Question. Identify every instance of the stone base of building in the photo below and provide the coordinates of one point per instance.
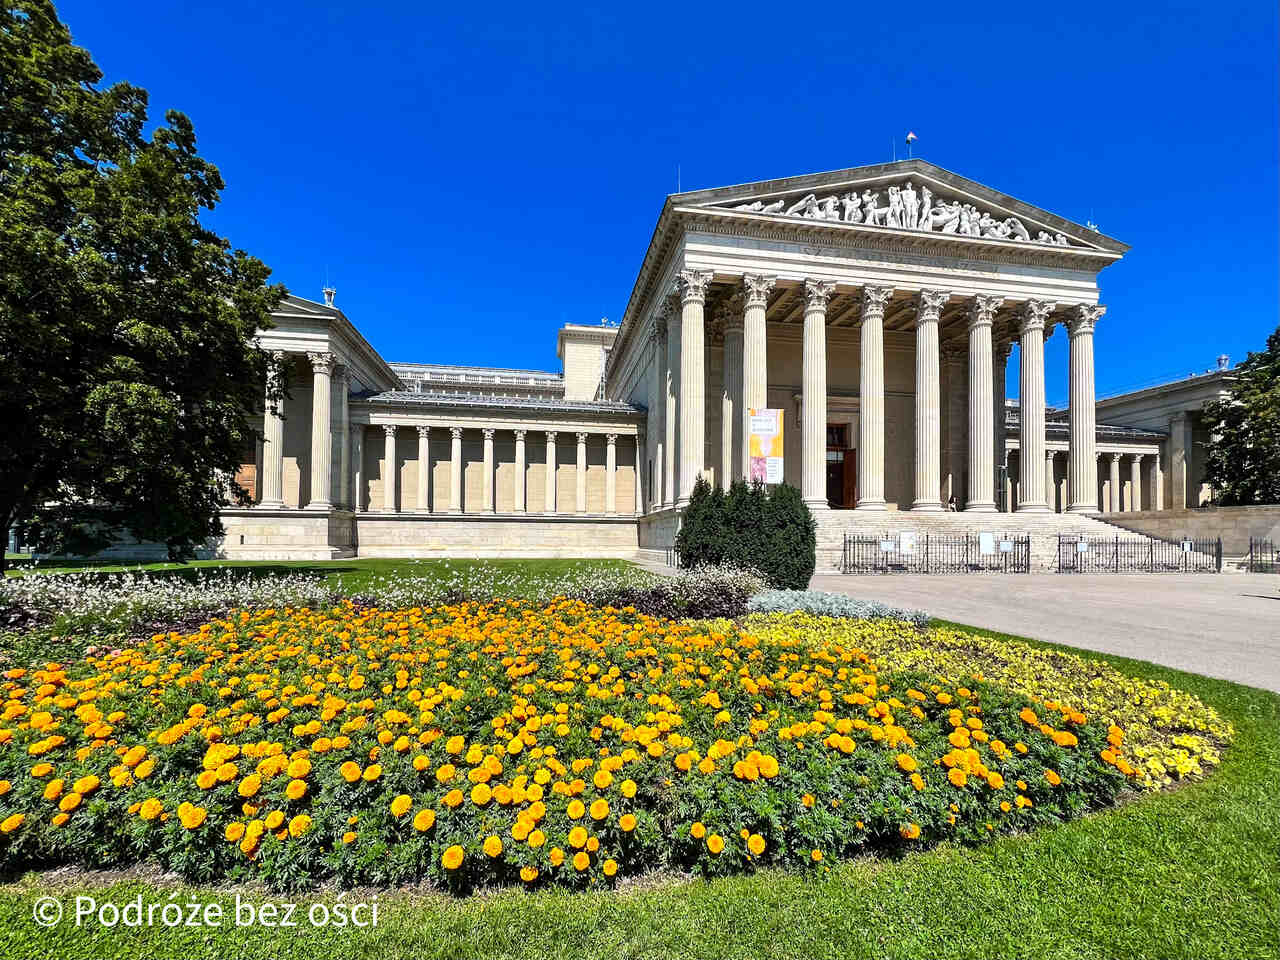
(658, 529)
(499, 535)
(259, 533)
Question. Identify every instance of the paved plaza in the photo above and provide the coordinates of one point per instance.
(1222, 625)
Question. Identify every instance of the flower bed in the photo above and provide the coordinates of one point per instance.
(1170, 734)
(518, 743)
(822, 604)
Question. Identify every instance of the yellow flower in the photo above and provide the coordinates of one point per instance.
(556, 856)
(577, 837)
(581, 860)
(715, 843)
(296, 790)
(698, 830)
(493, 846)
(481, 794)
(350, 771)
(234, 831)
(602, 779)
(906, 763)
(372, 772)
(299, 768)
(599, 809)
(609, 867)
(274, 819)
(910, 831)
(424, 820)
(150, 809)
(452, 858)
(299, 825)
(349, 837)
(628, 788)
(1052, 777)
(815, 855)
(250, 785)
(12, 822)
(401, 804)
(627, 822)
(537, 838)
(445, 772)
(528, 874)
(957, 776)
(755, 843)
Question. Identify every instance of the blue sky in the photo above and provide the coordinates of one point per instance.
(470, 178)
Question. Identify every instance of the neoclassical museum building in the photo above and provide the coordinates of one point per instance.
(877, 307)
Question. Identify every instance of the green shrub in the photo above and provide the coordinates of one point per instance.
(772, 531)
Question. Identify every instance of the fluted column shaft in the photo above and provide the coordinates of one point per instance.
(1116, 499)
(1050, 493)
(980, 497)
(755, 364)
(954, 441)
(611, 474)
(1135, 483)
(486, 488)
(732, 420)
(273, 437)
(344, 433)
(693, 379)
(357, 469)
(640, 473)
(671, 456)
(658, 420)
(424, 469)
(871, 399)
(813, 480)
(580, 475)
(1083, 459)
(1157, 484)
(550, 493)
(928, 401)
(999, 375)
(518, 480)
(1031, 497)
(322, 365)
(455, 469)
(389, 471)
(1179, 457)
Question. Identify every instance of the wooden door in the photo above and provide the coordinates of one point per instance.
(851, 478)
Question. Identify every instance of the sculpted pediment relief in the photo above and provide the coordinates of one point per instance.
(906, 204)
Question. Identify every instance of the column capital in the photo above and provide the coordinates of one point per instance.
(729, 314)
(1032, 315)
(874, 299)
(488, 433)
(519, 434)
(390, 430)
(756, 288)
(692, 285)
(551, 435)
(929, 304)
(669, 308)
(1050, 454)
(424, 431)
(1115, 457)
(611, 438)
(817, 293)
(982, 310)
(1083, 317)
(1137, 457)
(455, 433)
(582, 437)
(322, 362)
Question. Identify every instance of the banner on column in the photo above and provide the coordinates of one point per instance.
(764, 446)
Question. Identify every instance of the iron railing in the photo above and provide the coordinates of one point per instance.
(1264, 555)
(1130, 555)
(932, 553)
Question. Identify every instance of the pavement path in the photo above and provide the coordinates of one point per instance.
(1223, 625)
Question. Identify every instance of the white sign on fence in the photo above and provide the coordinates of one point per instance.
(987, 544)
(1082, 546)
(908, 543)
(887, 546)
(1186, 546)
(1006, 546)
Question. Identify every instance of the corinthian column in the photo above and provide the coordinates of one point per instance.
(486, 487)
(344, 428)
(1116, 498)
(1031, 497)
(658, 409)
(580, 475)
(550, 497)
(357, 469)
(693, 379)
(671, 420)
(813, 483)
(982, 408)
(1050, 484)
(518, 494)
(871, 399)
(611, 474)
(1084, 434)
(273, 436)
(389, 470)
(732, 419)
(1135, 483)
(322, 365)
(455, 469)
(928, 402)
(424, 469)
(755, 368)
(1000, 366)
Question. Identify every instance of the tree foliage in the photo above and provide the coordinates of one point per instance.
(126, 326)
(1243, 462)
(769, 529)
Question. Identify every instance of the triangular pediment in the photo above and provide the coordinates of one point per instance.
(907, 196)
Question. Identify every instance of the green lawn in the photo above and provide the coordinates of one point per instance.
(345, 575)
(1191, 873)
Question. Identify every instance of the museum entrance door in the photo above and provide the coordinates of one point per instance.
(842, 468)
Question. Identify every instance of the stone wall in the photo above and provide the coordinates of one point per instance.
(658, 530)
(258, 534)
(409, 535)
(1235, 525)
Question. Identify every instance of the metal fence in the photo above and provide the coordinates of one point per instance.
(967, 553)
(1126, 555)
(1264, 556)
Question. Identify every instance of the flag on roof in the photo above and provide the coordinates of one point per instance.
(911, 137)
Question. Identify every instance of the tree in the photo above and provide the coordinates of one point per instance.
(1243, 462)
(126, 327)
